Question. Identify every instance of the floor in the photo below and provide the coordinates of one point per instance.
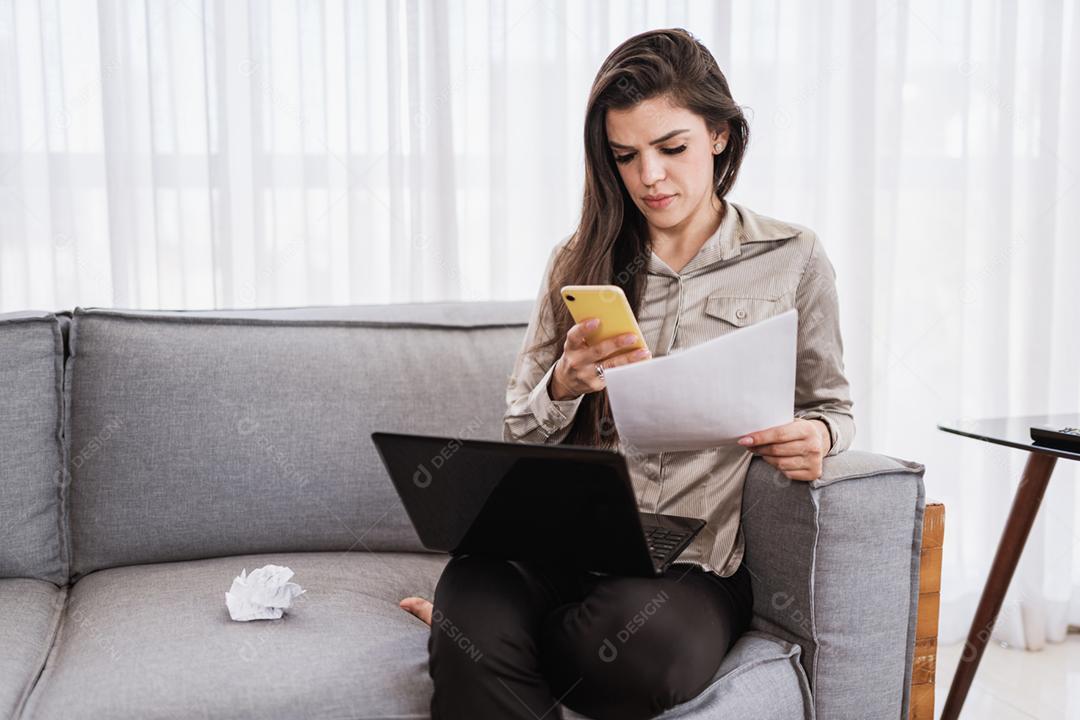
(1017, 685)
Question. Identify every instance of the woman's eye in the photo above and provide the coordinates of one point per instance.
(673, 151)
(623, 159)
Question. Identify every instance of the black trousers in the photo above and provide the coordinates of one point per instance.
(514, 639)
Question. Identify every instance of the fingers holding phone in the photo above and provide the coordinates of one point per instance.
(606, 335)
(576, 371)
(619, 350)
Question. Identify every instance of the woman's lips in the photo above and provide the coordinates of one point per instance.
(660, 203)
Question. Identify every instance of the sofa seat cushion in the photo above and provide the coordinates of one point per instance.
(760, 678)
(29, 615)
(156, 641)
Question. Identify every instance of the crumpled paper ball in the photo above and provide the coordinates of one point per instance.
(265, 594)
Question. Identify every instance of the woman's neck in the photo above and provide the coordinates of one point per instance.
(687, 237)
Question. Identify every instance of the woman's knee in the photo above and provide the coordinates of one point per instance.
(634, 648)
(479, 600)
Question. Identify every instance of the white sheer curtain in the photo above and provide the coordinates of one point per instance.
(193, 154)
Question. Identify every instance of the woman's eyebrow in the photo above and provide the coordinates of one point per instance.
(661, 139)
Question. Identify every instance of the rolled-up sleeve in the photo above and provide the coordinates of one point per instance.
(531, 415)
(822, 391)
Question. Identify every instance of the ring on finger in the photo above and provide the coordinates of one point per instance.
(600, 370)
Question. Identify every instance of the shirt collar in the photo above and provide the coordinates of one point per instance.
(738, 227)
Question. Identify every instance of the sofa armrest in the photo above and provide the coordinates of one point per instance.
(835, 568)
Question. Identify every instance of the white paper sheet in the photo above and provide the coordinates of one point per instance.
(710, 394)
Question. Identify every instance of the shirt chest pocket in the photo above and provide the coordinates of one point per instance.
(738, 312)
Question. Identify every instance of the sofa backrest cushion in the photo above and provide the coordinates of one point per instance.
(31, 447)
(202, 434)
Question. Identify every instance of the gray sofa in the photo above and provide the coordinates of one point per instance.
(147, 458)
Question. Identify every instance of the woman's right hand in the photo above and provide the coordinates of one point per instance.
(575, 370)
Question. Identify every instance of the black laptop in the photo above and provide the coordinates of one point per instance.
(562, 504)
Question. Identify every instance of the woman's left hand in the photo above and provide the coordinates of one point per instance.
(796, 449)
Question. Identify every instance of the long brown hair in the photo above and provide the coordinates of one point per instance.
(611, 243)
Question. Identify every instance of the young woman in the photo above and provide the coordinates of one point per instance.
(663, 143)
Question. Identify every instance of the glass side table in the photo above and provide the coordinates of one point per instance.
(1014, 432)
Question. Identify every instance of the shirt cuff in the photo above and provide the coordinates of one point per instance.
(834, 431)
(551, 415)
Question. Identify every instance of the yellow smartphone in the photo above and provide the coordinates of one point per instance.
(609, 304)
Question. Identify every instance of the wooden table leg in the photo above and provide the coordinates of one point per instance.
(1021, 517)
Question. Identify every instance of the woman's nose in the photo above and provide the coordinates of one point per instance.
(652, 171)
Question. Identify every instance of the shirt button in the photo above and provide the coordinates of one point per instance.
(741, 314)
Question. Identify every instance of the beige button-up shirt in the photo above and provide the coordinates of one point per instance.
(752, 268)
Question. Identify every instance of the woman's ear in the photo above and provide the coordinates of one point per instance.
(720, 139)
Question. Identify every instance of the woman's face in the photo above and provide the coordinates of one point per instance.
(665, 158)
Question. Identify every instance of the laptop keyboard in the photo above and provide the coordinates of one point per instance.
(662, 541)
